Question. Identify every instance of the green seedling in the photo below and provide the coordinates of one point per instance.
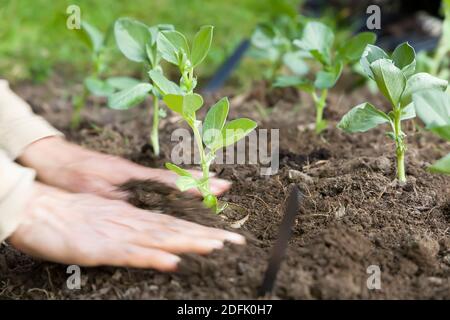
(272, 43)
(138, 43)
(211, 134)
(94, 83)
(397, 80)
(438, 63)
(318, 42)
(96, 41)
(433, 107)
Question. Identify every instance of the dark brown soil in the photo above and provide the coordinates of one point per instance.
(353, 215)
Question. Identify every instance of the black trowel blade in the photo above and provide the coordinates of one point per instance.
(281, 244)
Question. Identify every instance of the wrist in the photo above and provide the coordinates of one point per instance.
(44, 152)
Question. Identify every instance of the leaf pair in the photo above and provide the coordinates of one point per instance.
(137, 41)
(273, 43)
(175, 48)
(318, 41)
(394, 76)
(217, 133)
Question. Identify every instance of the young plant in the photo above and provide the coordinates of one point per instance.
(396, 79)
(138, 43)
(272, 42)
(433, 107)
(211, 134)
(96, 41)
(94, 83)
(318, 41)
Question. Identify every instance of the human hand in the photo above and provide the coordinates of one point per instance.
(73, 168)
(89, 230)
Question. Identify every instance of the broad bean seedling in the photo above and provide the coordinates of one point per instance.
(397, 80)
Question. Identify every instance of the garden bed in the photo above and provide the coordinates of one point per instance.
(353, 214)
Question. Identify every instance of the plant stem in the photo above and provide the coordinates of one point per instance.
(400, 146)
(320, 103)
(154, 136)
(203, 161)
(78, 105)
(274, 70)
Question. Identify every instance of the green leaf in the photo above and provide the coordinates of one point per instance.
(154, 30)
(442, 165)
(442, 131)
(152, 55)
(294, 61)
(390, 79)
(191, 103)
(122, 83)
(421, 81)
(404, 58)
(353, 49)
(201, 45)
(293, 81)
(185, 183)
(362, 118)
(370, 55)
(164, 85)
(130, 97)
(327, 79)
(263, 35)
(186, 105)
(424, 63)
(98, 87)
(131, 38)
(172, 44)
(408, 112)
(318, 40)
(234, 131)
(433, 107)
(174, 102)
(95, 36)
(179, 171)
(214, 122)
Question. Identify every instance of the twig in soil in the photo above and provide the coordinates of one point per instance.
(258, 198)
(279, 249)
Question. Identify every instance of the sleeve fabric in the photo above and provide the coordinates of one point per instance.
(19, 127)
(16, 185)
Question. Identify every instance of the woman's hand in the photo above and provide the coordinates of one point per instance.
(89, 230)
(73, 168)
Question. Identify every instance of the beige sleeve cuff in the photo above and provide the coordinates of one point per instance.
(16, 185)
(19, 127)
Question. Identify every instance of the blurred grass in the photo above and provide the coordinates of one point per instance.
(34, 39)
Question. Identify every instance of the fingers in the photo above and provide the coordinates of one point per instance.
(219, 186)
(151, 222)
(177, 243)
(193, 229)
(134, 256)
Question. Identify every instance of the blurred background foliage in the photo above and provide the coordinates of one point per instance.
(35, 42)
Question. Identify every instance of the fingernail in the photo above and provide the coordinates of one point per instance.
(173, 260)
(215, 244)
(235, 238)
